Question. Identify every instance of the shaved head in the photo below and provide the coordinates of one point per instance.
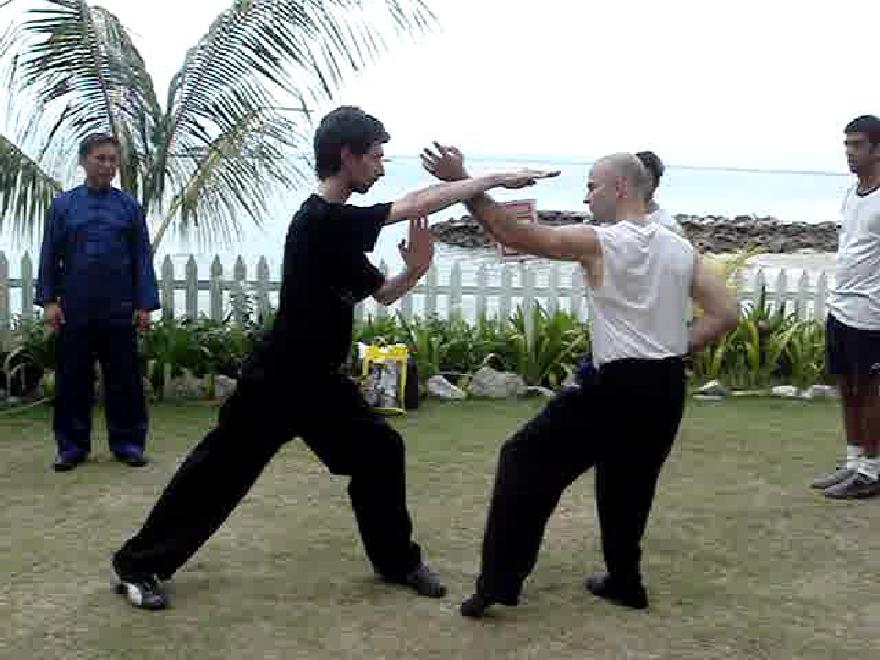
(631, 169)
(618, 186)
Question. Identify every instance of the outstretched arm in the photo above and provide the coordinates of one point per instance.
(574, 243)
(422, 203)
(720, 311)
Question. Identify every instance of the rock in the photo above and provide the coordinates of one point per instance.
(713, 388)
(441, 388)
(187, 387)
(711, 233)
(490, 384)
(14, 401)
(537, 390)
(784, 391)
(820, 392)
(748, 393)
(224, 386)
(708, 397)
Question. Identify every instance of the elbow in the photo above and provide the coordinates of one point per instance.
(512, 239)
(384, 297)
(732, 316)
(729, 318)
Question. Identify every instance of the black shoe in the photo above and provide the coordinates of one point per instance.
(475, 606)
(133, 460)
(857, 486)
(629, 595)
(142, 592)
(425, 581)
(841, 474)
(62, 464)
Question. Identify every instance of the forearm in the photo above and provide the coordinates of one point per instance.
(46, 289)
(47, 270)
(435, 198)
(706, 330)
(498, 222)
(146, 287)
(397, 286)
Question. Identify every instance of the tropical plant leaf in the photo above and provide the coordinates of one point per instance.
(256, 52)
(26, 190)
(73, 70)
(238, 174)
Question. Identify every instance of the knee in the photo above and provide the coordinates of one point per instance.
(390, 447)
(508, 451)
(380, 453)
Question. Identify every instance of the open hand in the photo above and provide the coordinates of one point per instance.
(418, 252)
(142, 319)
(53, 315)
(444, 162)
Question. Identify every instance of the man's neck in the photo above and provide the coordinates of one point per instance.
(633, 211)
(334, 190)
(869, 180)
(96, 187)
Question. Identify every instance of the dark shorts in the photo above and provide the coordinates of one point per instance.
(851, 351)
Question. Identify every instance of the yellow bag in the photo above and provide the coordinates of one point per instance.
(383, 379)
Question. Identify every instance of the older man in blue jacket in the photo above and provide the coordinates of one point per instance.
(96, 281)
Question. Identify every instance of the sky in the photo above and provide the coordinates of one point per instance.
(763, 84)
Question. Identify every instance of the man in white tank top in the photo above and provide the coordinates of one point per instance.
(623, 420)
(853, 324)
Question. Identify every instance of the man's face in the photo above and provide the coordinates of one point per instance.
(859, 155)
(602, 193)
(364, 170)
(101, 164)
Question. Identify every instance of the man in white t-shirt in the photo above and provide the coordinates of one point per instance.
(853, 325)
(641, 278)
(655, 168)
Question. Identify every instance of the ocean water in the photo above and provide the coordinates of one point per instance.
(787, 195)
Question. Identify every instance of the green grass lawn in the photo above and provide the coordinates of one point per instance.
(742, 560)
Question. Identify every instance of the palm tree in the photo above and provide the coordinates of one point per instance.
(227, 133)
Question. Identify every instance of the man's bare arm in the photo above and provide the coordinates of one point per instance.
(720, 309)
(397, 286)
(422, 203)
(572, 243)
(417, 253)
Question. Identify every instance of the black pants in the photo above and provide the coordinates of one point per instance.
(623, 421)
(259, 417)
(114, 346)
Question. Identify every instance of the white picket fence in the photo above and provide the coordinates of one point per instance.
(527, 284)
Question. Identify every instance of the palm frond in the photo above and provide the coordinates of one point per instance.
(258, 50)
(76, 70)
(26, 190)
(299, 46)
(236, 175)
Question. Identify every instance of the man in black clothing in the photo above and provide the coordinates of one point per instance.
(325, 273)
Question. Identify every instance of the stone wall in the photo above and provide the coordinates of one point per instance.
(715, 234)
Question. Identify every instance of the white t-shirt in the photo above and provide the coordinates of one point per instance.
(855, 298)
(640, 309)
(662, 218)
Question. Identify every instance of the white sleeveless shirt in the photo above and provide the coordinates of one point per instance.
(640, 309)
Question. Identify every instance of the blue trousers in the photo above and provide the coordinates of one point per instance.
(114, 347)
